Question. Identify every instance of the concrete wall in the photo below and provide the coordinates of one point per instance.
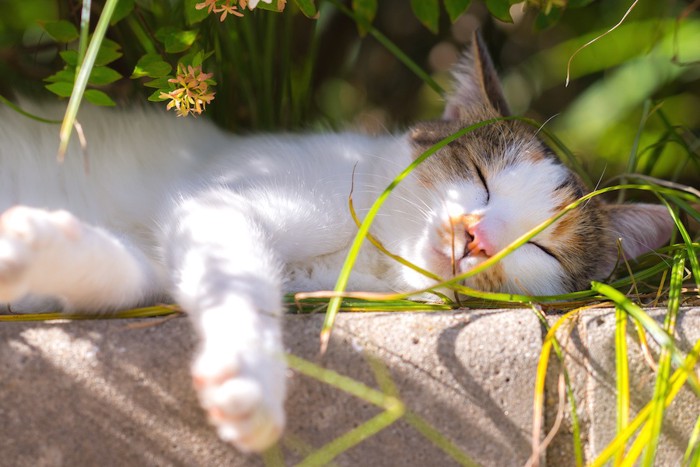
(117, 392)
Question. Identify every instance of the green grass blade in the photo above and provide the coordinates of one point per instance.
(300, 447)
(141, 35)
(328, 452)
(378, 245)
(84, 31)
(632, 159)
(664, 370)
(676, 382)
(540, 378)
(692, 257)
(575, 423)
(341, 382)
(622, 373)
(21, 111)
(393, 410)
(273, 457)
(692, 212)
(390, 46)
(690, 151)
(386, 384)
(692, 452)
(659, 334)
(146, 312)
(438, 439)
(83, 75)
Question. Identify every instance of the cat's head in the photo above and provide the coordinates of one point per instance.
(494, 184)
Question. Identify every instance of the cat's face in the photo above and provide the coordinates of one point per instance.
(490, 187)
(496, 183)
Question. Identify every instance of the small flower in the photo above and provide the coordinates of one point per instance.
(227, 8)
(235, 7)
(191, 93)
(210, 4)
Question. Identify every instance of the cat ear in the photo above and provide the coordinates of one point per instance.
(642, 227)
(476, 83)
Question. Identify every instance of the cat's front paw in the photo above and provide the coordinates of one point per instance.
(15, 255)
(243, 397)
(24, 232)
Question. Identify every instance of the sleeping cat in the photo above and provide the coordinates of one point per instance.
(224, 225)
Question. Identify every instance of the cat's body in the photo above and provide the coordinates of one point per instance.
(224, 224)
(299, 184)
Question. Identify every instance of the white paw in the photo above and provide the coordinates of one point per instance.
(243, 396)
(23, 233)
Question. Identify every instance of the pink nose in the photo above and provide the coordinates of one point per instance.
(480, 240)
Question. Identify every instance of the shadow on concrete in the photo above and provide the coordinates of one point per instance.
(118, 392)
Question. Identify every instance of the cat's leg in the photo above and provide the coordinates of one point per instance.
(53, 254)
(227, 277)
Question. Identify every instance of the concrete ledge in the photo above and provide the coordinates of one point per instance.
(117, 392)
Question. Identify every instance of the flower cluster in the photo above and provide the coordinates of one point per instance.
(230, 7)
(191, 93)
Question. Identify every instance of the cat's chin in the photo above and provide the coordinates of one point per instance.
(470, 262)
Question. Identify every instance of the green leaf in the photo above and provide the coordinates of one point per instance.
(109, 44)
(61, 30)
(163, 33)
(500, 9)
(455, 8)
(275, 5)
(195, 57)
(61, 88)
(102, 75)
(109, 52)
(70, 57)
(176, 40)
(193, 15)
(427, 12)
(121, 11)
(97, 97)
(151, 65)
(161, 83)
(66, 75)
(366, 9)
(307, 7)
(155, 97)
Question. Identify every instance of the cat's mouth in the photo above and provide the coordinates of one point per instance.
(460, 261)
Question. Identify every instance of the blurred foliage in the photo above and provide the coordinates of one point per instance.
(631, 104)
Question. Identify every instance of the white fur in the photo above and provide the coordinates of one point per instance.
(222, 224)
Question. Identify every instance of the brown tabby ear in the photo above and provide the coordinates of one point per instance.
(476, 83)
(642, 227)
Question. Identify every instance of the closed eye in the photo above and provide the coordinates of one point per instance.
(483, 182)
(544, 250)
